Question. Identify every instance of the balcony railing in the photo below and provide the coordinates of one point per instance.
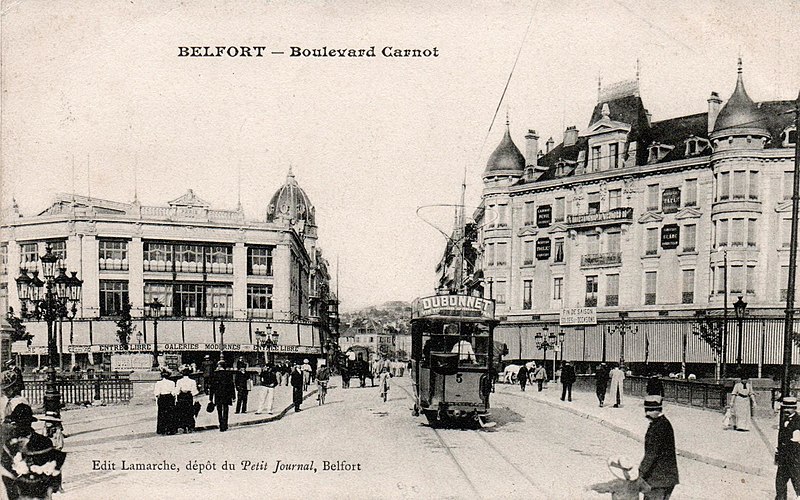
(601, 259)
(613, 216)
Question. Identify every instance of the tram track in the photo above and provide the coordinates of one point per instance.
(485, 468)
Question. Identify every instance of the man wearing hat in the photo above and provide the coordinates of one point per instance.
(222, 393)
(659, 467)
(297, 386)
(208, 370)
(787, 457)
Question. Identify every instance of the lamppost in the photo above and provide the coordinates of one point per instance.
(268, 341)
(59, 290)
(221, 339)
(622, 329)
(545, 343)
(739, 308)
(155, 310)
(490, 280)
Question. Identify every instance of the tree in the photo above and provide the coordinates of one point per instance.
(19, 331)
(125, 326)
(711, 331)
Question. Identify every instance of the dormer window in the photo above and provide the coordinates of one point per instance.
(789, 137)
(529, 173)
(658, 151)
(695, 145)
(561, 168)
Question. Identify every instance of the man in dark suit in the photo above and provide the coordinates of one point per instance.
(601, 382)
(659, 467)
(296, 379)
(567, 379)
(222, 393)
(787, 457)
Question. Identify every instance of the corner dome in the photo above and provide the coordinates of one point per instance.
(740, 115)
(506, 158)
(290, 203)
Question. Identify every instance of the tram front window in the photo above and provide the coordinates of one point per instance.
(468, 340)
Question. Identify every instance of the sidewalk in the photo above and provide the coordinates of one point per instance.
(699, 434)
(137, 419)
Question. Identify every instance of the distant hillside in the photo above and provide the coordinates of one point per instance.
(391, 317)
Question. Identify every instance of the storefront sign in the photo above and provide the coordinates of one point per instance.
(165, 348)
(543, 249)
(544, 215)
(76, 349)
(671, 200)
(452, 305)
(131, 361)
(578, 316)
(670, 236)
(21, 347)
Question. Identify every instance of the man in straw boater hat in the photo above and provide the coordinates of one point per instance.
(787, 456)
(659, 467)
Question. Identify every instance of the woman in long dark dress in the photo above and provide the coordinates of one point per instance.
(185, 390)
(164, 393)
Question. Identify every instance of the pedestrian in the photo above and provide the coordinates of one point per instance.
(53, 428)
(297, 386)
(208, 370)
(222, 393)
(269, 381)
(11, 364)
(654, 385)
(164, 394)
(742, 404)
(31, 464)
(787, 455)
(522, 377)
(383, 383)
(12, 393)
(345, 374)
(617, 379)
(540, 375)
(567, 379)
(306, 368)
(243, 385)
(240, 363)
(322, 376)
(659, 467)
(601, 382)
(185, 391)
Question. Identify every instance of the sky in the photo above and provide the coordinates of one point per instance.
(96, 100)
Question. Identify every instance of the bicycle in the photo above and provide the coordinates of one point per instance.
(323, 390)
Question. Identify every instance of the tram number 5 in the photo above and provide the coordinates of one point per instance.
(459, 378)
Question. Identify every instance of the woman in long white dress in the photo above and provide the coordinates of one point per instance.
(743, 399)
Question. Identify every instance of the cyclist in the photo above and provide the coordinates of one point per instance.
(323, 375)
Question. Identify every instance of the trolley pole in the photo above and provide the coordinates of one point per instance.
(788, 327)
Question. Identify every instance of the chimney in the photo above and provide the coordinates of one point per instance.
(714, 103)
(531, 148)
(649, 116)
(548, 145)
(570, 136)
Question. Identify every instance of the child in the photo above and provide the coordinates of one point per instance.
(383, 383)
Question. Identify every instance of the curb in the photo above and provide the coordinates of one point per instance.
(723, 464)
(263, 420)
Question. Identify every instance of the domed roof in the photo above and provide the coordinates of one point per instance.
(740, 113)
(506, 158)
(290, 203)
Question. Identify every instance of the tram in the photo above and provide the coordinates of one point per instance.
(452, 358)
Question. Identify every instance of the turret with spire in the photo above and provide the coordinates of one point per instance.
(740, 120)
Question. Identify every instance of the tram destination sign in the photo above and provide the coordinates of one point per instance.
(452, 305)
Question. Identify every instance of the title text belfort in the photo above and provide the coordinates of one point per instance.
(261, 51)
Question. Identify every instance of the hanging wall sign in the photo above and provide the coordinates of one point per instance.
(670, 236)
(671, 200)
(543, 249)
(544, 215)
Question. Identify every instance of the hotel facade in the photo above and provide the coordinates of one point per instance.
(628, 236)
(225, 282)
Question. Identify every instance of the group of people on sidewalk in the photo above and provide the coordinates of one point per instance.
(30, 462)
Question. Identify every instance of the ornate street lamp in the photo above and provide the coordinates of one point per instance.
(155, 310)
(268, 341)
(544, 344)
(59, 291)
(622, 328)
(739, 308)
